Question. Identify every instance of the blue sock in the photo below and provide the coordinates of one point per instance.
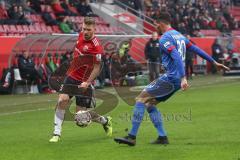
(137, 118)
(156, 119)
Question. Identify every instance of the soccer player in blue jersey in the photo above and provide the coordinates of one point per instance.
(173, 46)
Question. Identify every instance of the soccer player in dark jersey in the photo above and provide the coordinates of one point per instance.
(173, 46)
(83, 70)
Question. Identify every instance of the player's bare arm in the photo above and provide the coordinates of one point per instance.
(205, 56)
(92, 77)
(221, 66)
(184, 83)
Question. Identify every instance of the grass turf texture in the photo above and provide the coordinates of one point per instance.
(210, 131)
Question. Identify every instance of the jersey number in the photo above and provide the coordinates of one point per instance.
(182, 48)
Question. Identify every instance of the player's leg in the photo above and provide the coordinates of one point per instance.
(84, 103)
(62, 104)
(138, 114)
(157, 120)
(162, 90)
(155, 92)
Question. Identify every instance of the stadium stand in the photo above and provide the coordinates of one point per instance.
(46, 17)
(210, 17)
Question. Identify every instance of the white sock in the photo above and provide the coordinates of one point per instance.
(58, 120)
(101, 120)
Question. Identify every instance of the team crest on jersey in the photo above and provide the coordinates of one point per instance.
(85, 48)
(166, 44)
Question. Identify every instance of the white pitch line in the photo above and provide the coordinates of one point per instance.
(19, 112)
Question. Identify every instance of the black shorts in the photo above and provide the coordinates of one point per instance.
(81, 100)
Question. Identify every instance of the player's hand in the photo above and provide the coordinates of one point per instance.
(184, 84)
(84, 85)
(221, 66)
(6, 85)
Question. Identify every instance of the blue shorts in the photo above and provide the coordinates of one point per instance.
(163, 87)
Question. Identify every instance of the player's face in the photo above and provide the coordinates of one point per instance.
(160, 28)
(88, 31)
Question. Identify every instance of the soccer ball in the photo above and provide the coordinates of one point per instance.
(83, 118)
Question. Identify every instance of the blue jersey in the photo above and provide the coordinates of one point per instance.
(174, 62)
(173, 46)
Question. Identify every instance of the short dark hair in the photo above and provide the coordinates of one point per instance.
(164, 17)
(89, 21)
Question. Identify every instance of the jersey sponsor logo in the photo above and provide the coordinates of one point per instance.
(98, 57)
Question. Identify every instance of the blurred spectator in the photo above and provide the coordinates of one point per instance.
(148, 3)
(58, 9)
(3, 13)
(22, 18)
(65, 28)
(27, 9)
(116, 69)
(27, 70)
(66, 6)
(13, 13)
(153, 56)
(47, 17)
(36, 5)
(217, 53)
(84, 8)
(182, 28)
(219, 23)
(17, 15)
(73, 26)
(189, 16)
(189, 62)
(27, 67)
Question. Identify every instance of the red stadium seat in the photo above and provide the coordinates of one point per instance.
(34, 30)
(236, 32)
(44, 28)
(38, 29)
(210, 32)
(2, 29)
(25, 29)
(13, 29)
(49, 29)
(19, 28)
(56, 29)
(6, 28)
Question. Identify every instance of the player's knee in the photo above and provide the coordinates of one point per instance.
(141, 100)
(152, 102)
(63, 101)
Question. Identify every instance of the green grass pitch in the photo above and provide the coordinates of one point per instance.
(202, 124)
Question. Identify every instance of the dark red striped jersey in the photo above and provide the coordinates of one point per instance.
(86, 54)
